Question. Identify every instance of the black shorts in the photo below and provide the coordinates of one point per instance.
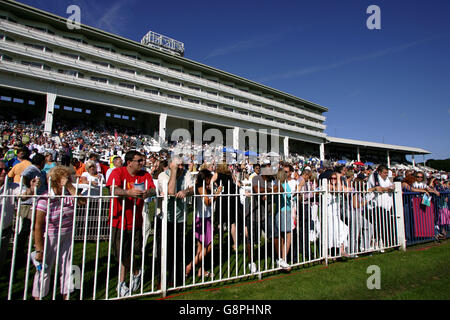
(126, 244)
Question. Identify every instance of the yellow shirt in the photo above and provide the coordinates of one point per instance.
(17, 170)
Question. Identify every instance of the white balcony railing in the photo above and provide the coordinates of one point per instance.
(24, 31)
(28, 71)
(118, 74)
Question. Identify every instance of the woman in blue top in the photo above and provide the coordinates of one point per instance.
(49, 163)
(283, 220)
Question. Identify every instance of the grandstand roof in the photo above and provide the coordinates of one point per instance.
(402, 149)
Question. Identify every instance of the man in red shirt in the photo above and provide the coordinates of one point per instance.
(132, 185)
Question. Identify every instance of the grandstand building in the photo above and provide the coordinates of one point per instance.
(50, 72)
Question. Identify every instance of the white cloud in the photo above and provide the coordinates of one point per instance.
(109, 20)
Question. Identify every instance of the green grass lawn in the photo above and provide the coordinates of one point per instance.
(422, 272)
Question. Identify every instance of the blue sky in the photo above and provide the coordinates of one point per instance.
(390, 85)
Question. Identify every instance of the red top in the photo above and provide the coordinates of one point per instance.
(122, 178)
(104, 168)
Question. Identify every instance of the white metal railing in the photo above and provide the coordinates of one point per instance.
(24, 31)
(180, 245)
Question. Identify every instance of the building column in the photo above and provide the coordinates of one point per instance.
(286, 146)
(358, 154)
(50, 108)
(198, 132)
(162, 127)
(388, 159)
(413, 161)
(236, 138)
(322, 151)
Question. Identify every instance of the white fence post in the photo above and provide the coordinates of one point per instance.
(164, 241)
(324, 219)
(399, 213)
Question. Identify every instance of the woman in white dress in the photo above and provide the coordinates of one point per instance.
(337, 230)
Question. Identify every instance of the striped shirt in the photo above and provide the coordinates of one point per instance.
(54, 213)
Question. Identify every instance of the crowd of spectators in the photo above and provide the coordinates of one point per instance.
(69, 145)
(98, 157)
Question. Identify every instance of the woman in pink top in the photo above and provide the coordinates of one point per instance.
(58, 227)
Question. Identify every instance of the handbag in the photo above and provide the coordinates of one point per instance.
(426, 200)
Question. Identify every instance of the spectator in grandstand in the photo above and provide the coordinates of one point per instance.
(382, 203)
(134, 184)
(435, 184)
(293, 184)
(7, 154)
(33, 153)
(49, 163)
(228, 208)
(283, 220)
(79, 167)
(95, 158)
(7, 211)
(203, 226)
(180, 185)
(341, 172)
(261, 184)
(305, 183)
(11, 156)
(327, 170)
(349, 176)
(17, 169)
(338, 231)
(117, 162)
(365, 173)
(430, 186)
(33, 171)
(409, 181)
(208, 166)
(59, 231)
(66, 154)
(421, 183)
(93, 178)
(152, 166)
(361, 230)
